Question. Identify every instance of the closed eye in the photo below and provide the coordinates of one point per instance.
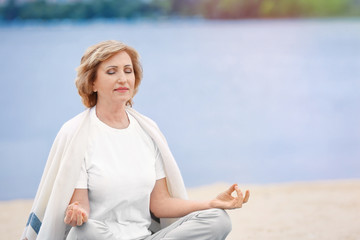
(111, 71)
(128, 70)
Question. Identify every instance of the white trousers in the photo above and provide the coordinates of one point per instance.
(211, 224)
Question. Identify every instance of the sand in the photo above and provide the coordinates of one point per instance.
(328, 210)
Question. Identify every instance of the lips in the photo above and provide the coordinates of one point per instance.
(122, 89)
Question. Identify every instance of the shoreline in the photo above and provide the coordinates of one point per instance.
(299, 210)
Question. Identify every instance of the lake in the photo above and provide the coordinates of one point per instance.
(251, 101)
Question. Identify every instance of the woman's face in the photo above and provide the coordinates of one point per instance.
(115, 80)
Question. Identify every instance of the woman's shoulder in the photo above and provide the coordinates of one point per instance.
(70, 126)
(140, 117)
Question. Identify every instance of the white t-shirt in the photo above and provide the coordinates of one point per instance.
(120, 170)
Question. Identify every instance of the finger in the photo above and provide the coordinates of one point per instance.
(239, 193)
(73, 204)
(231, 189)
(237, 203)
(85, 217)
(79, 221)
(239, 198)
(68, 215)
(74, 216)
(247, 195)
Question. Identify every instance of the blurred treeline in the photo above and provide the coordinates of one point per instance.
(211, 9)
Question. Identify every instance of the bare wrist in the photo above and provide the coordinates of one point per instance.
(212, 203)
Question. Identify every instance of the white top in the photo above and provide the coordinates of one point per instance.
(61, 172)
(120, 170)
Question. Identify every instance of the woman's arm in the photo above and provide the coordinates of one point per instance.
(163, 205)
(79, 208)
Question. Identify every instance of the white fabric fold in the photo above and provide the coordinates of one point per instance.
(62, 169)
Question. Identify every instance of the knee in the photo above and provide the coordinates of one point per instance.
(89, 230)
(219, 222)
(223, 221)
(85, 230)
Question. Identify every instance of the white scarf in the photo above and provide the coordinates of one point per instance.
(62, 169)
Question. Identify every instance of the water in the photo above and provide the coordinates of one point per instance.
(239, 101)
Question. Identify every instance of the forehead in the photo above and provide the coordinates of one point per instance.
(119, 59)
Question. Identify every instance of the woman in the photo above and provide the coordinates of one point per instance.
(110, 168)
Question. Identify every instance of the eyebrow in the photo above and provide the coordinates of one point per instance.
(127, 65)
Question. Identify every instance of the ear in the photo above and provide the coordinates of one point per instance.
(94, 87)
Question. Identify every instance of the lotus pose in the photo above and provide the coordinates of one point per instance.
(110, 173)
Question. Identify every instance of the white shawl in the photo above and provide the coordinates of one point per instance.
(46, 220)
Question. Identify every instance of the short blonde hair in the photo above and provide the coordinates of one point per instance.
(93, 56)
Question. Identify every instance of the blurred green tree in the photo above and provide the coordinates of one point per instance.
(212, 9)
(10, 11)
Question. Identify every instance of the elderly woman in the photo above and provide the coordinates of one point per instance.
(110, 173)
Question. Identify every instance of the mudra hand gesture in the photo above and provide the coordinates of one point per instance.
(226, 201)
(75, 215)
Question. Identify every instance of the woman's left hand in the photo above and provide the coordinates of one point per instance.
(226, 201)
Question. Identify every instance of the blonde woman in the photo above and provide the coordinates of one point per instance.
(110, 173)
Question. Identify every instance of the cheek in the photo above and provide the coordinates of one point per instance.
(132, 81)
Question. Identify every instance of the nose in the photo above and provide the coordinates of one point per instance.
(121, 78)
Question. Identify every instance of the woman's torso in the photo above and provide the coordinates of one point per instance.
(122, 166)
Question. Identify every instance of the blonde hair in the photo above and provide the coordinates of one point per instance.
(90, 61)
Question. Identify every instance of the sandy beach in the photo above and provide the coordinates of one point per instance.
(328, 210)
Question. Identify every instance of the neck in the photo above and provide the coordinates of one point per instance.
(114, 116)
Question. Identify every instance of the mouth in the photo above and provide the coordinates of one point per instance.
(121, 89)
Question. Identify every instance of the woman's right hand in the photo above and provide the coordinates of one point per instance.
(75, 215)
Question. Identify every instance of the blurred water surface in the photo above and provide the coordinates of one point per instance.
(239, 101)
